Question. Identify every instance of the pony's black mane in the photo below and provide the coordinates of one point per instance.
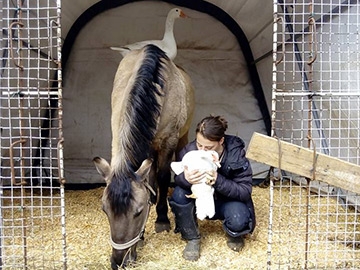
(143, 110)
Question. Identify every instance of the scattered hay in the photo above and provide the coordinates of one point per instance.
(89, 248)
(88, 230)
(333, 236)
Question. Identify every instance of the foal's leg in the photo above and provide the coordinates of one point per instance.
(163, 177)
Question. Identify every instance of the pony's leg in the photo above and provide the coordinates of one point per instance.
(153, 176)
(162, 222)
(181, 144)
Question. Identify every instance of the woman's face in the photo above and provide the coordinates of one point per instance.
(204, 144)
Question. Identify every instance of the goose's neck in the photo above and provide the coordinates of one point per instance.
(169, 28)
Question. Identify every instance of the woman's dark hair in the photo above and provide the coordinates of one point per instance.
(212, 127)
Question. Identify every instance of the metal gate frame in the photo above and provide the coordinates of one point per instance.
(32, 203)
(315, 104)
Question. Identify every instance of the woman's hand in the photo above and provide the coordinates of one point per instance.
(211, 177)
(193, 177)
(216, 160)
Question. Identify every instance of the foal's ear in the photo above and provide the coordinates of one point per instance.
(144, 169)
(103, 167)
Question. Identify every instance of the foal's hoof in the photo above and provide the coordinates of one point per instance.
(160, 227)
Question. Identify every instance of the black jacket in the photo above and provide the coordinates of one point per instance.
(234, 180)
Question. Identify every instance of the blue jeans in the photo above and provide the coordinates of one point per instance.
(235, 214)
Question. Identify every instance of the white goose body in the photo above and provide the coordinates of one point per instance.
(202, 192)
(167, 44)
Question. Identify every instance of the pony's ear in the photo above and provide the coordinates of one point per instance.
(103, 167)
(144, 169)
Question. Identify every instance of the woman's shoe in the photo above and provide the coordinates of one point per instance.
(192, 250)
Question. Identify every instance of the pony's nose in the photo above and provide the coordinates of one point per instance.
(120, 258)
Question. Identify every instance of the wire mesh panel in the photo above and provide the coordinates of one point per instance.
(316, 98)
(32, 217)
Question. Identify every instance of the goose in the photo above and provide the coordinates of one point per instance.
(167, 44)
(202, 192)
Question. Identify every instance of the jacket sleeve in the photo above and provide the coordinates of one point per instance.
(239, 184)
(180, 179)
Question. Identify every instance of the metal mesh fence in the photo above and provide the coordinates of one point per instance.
(316, 98)
(32, 217)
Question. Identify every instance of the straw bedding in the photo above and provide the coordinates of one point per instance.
(334, 236)
(89, 248)
(88, 233)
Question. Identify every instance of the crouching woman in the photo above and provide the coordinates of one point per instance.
(232, 184)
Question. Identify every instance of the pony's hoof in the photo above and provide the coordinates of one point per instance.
(160, 227)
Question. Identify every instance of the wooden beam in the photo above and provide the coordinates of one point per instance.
(300, 160)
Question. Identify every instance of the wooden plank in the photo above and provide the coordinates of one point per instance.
(299, 160)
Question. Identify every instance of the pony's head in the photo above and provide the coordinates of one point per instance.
(126, 202)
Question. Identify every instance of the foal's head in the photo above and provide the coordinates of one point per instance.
(126, 202)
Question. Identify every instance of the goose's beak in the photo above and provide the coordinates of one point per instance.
(183, 15)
